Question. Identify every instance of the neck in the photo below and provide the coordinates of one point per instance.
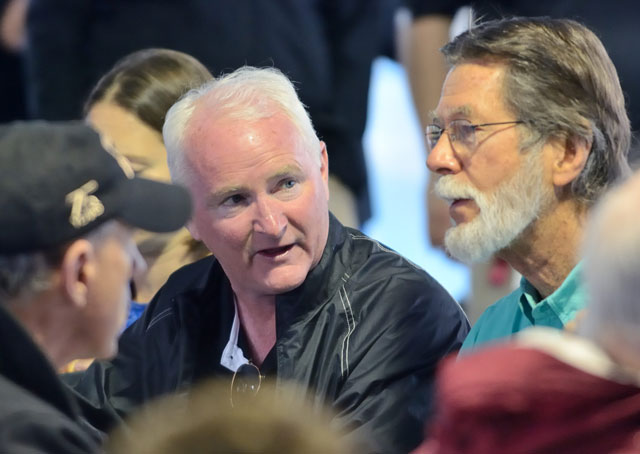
(258, 319)
(163, 256)
(548, 250)
(48, 326)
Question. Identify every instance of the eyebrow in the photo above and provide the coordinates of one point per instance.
(461, 110)
(227, 191)
(221, 194)
(285, 172)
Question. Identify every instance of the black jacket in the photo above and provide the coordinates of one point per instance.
(37, 413)
(363, 333)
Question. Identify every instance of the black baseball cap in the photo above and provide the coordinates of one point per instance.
(57, 183)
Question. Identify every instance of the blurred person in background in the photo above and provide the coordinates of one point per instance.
(550, 390)
(128, 107)
(530, 130)
(325, 46)
(66, 259)
(13, 14)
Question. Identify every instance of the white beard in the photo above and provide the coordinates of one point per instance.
(504, 215)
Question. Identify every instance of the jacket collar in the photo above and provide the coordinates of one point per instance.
(208, 301)
(212, 289)
(320, 282)
(22, 362)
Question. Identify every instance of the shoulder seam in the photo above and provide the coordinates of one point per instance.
(383, 248)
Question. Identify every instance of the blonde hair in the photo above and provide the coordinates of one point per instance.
(271, 422)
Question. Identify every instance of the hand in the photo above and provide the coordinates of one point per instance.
(572, 325)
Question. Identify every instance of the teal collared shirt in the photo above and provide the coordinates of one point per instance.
(524, 308)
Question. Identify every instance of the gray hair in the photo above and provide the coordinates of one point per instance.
(247, 94)
(27, 274)
(561, 82)
(612, 269)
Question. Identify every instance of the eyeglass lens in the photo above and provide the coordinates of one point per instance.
(245, 382)
(459, 131)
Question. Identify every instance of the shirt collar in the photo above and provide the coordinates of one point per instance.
(232, 355)
(563, 304)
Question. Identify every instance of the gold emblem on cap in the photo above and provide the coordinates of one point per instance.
(85, 207)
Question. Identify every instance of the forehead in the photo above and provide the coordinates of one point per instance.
(473, 91)
(224, 146)
(130, 135)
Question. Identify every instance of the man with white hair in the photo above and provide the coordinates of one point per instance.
(289, 294)
(530, 129)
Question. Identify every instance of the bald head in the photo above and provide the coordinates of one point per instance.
(612, 271)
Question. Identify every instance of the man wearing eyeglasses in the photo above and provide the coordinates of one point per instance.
(290, 294)
(530, 130)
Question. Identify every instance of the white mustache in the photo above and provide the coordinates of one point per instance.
(448, 189)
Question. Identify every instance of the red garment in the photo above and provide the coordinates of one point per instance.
(517, 400)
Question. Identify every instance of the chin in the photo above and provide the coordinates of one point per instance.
(469, 243)
(284, 282)
(108, 351)
(278, 288)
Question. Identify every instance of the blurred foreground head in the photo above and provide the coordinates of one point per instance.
(612, 274)
(271, 422)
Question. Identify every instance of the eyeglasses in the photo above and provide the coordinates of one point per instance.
(460, 131)
(245, 383)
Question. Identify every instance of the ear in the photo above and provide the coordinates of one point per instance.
(569, 158)
(193, 230)
(324, 166)
(77, 271)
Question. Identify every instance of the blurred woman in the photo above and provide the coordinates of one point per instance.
(127, 107)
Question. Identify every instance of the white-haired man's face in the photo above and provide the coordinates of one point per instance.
(261, 200)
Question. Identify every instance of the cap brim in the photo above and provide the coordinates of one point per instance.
(155, 206)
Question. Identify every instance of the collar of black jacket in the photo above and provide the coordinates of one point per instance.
(199, 284)
(22, 362)
(320, 282)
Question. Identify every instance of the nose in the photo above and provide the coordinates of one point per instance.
(269, 218)
(443, 159)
